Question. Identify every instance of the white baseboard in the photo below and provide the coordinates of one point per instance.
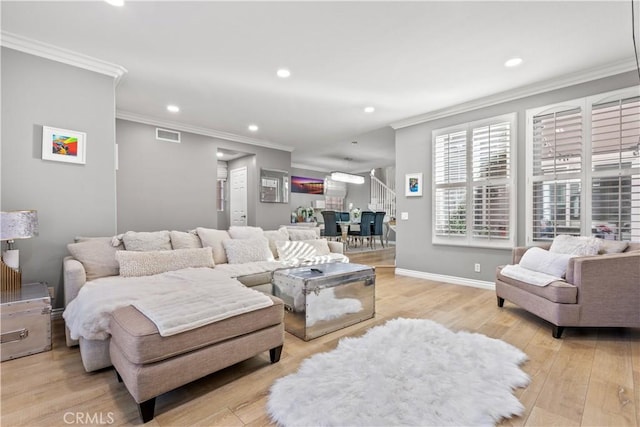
(56, 313)
(447, 279)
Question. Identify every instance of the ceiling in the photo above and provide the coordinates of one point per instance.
(217, 61)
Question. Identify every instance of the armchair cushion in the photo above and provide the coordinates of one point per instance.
(558, 291)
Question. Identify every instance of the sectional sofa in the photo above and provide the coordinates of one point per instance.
(124, 263)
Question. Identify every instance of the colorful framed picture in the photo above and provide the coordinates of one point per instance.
(300, 184)
(413, 184)
(64, 145)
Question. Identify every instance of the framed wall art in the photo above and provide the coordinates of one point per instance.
(413, 184)
(64, 145)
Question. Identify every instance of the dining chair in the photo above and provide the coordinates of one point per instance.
(377, 228)
(366, 220)
(330, 224)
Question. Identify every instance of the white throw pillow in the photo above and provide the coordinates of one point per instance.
(147, 241)
(295, 250)
(240, 251)
(185, 240)
(213, 239)
(542, 261)
(274, 236)
(302, 234)
(321, 246)
(138, 263)
(573, 245)
(245, 232)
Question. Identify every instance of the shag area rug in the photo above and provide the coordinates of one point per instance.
(409, 372)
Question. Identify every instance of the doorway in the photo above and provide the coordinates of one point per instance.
(238, 196)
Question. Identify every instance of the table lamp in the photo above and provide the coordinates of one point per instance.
(15, 225)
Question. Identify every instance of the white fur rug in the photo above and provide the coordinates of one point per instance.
(410, 372)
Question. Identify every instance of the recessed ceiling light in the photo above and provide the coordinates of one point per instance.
(253, 128)
(173, 108)
(369, 109)
(513, 62)
(115, 2)
(220, 154)
(283, 73)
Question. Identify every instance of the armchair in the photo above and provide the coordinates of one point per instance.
(599, 291)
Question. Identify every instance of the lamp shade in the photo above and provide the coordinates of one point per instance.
(347, 177)
(18, 225)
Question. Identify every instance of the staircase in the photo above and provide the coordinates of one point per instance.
(383, 197)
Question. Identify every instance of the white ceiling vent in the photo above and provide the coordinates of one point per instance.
(167, 135)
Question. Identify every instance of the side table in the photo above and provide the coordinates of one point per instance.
(25, 321)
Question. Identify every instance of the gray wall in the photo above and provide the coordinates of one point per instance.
(164, 185)
(71, 199)
(414, 154)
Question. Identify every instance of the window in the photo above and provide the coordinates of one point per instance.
(583, 168)
(473, 182)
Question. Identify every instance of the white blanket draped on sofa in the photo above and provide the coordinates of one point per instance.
(220, 297)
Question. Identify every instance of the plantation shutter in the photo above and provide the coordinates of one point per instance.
(491, 171)
(557, 169)
(450, 176)
(615, 183)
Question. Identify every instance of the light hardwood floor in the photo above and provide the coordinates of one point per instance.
(591, 377)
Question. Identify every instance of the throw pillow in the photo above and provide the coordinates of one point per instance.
(240, 251)
(147, 241)
(573, 245)
(148, 263)
(97, 256)
(184, 240)
(542, 261)
(213, 239)
(245, 232)
(302, 234)
(321, 246)
(612, 247)
(276, 235)
(295, 250)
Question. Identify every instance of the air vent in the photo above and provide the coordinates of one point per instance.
(167, 135)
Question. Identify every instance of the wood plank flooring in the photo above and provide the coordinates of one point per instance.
(591, 377)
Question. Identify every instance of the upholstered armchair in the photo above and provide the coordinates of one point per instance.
(599, 291)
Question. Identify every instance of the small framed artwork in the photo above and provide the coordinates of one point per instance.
(64, 145)
(413, 184)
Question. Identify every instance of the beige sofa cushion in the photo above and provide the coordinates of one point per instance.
(245, 232)
(276, 236)
(213, 238)
(147, 263)
(240, 251)
(147, 241)
(97, 256)
(613, 246)
(185, 240)
(302, 233)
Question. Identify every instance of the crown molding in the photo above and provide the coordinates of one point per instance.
(54, 53)
(521, 92)
(139, 118)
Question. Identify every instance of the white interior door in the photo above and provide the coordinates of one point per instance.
(238, 196)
